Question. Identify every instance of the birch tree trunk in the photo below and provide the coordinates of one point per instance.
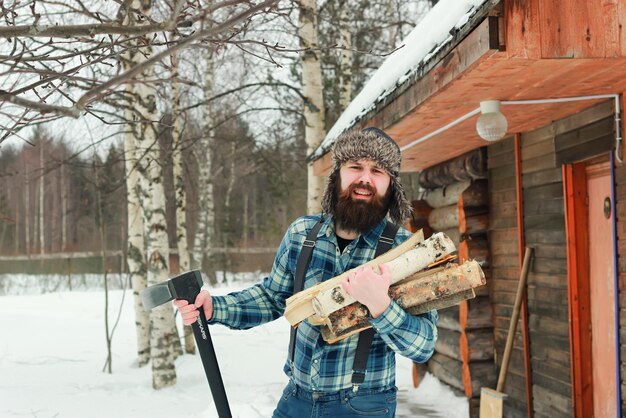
(41, 200)
(162, 336)
(181, 194)
(135, 254)
(345, 86)
(26, 209)
(152, 199)
(65, 190)
(314, 111)
(205, 224)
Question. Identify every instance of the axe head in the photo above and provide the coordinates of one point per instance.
(184, 286)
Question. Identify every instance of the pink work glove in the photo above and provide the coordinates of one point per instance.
(370, 288)
(190, 313)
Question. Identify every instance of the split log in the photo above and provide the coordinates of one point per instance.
(436, 288)
(479, 315)
(469, 166)
(436, 247)
(299, 306)
(474, 224)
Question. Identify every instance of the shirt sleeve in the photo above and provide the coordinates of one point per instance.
(260, 303)
(411, 336)
(408, 335)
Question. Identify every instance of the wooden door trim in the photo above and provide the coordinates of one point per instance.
(579, 301)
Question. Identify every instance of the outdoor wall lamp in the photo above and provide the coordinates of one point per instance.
(491, 124)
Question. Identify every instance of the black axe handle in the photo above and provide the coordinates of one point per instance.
(211, 368)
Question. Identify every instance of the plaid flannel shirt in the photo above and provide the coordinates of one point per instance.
(319, 366)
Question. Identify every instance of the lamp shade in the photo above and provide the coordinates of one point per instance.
(491, 124)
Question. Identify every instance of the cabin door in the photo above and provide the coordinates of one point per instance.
(602, 290)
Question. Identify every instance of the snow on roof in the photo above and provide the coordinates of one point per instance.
(431, 34)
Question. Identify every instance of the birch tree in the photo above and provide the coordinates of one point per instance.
(345, 85)
(180, 193)
(314, 112)
(205, 223)
(135, 253)
(152, 199)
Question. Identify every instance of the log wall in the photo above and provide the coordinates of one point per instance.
(543, 152)
(464, 356)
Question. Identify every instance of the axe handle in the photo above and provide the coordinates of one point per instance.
(211, 368)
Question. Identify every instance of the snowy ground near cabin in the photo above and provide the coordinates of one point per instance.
(52, 352)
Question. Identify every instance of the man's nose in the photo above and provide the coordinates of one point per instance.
(366, 177)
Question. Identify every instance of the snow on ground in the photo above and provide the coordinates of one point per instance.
(52, 352)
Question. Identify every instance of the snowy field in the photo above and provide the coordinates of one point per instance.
(52, 352)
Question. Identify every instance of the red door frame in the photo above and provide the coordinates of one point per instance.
(577, 236)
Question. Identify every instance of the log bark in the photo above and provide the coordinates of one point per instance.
(470, 166)
(441, 284)
(436, 247)
(476, 195)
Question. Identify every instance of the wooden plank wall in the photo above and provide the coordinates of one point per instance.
(505, 267)
(543, 151)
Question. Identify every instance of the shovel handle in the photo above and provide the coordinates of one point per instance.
(521, 288)
(211, 368)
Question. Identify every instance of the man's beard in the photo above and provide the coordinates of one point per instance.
(360, 215)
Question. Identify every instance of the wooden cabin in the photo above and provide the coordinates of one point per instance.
(555, 182)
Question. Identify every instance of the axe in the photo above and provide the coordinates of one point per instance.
(187, 286)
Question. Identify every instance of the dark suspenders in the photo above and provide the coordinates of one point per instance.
(385, 242)
(298, 280)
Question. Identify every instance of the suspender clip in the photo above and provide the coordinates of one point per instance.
(386, 240)
(308, 243)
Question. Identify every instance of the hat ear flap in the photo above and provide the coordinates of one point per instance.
(329, 199)
(399, 206)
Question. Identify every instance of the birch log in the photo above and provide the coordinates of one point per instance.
(447, 195)
(299, 306)
(446, 217)
(409, 263)
(443, 285)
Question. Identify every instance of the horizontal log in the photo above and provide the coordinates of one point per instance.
(480, 343)
(446, 217)
(476, 224)
(436, 247)
(469, 166)
(447, 195)
(450, 371)
(421, 209)
(476, 195)
(299, 306)
(442, 284)
(479, 315)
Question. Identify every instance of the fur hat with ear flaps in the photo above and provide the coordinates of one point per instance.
(371, 144)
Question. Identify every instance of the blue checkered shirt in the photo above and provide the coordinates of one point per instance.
(320, 366)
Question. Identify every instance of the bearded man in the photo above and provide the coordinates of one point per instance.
(355, 376)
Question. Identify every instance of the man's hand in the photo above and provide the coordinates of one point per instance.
(370, 288)
(190, 313)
